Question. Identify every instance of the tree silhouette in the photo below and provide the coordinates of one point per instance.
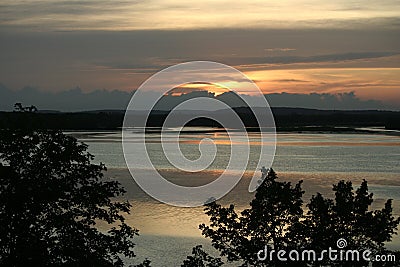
(19, 108)
(32, 109)
(348, 216)
(51, 200)
(238, 238)
(275, 220)
(201, 259)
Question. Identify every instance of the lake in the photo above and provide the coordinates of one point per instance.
(320, 159)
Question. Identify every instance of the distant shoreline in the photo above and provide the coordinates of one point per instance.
(281, 130)
(286, 120)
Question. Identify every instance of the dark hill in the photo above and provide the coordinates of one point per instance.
(285, 119)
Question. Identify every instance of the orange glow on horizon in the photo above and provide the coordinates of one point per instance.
(367, 83)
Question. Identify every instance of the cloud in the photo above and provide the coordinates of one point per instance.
(290, 81)
(54, 15)
(338, 101)
(337, 57)
(78, 100)
(70, 100)
(104, 59)
(254, 63)
(280, 49)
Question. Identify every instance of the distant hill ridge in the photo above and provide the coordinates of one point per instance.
(285, 119)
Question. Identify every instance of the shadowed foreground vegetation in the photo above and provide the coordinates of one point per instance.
(51, 198)
(277, 221)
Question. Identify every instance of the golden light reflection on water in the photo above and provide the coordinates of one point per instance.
(155, 218)
(311, 143)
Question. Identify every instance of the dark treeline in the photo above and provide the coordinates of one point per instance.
(286, 119)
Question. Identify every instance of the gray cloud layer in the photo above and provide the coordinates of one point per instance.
(115, 59)
(50, 15)
(77, 100)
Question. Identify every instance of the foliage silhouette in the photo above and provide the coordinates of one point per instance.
(52, 198)
(239, 238)
(275, 219)
(201, 259)
(19, 108)
(347, 216)
(145, 263)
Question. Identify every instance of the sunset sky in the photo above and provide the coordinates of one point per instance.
(294, 46)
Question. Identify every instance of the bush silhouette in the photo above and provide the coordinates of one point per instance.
(51, 199)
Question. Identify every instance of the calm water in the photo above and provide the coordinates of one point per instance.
(168, 233)
(346, 153)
